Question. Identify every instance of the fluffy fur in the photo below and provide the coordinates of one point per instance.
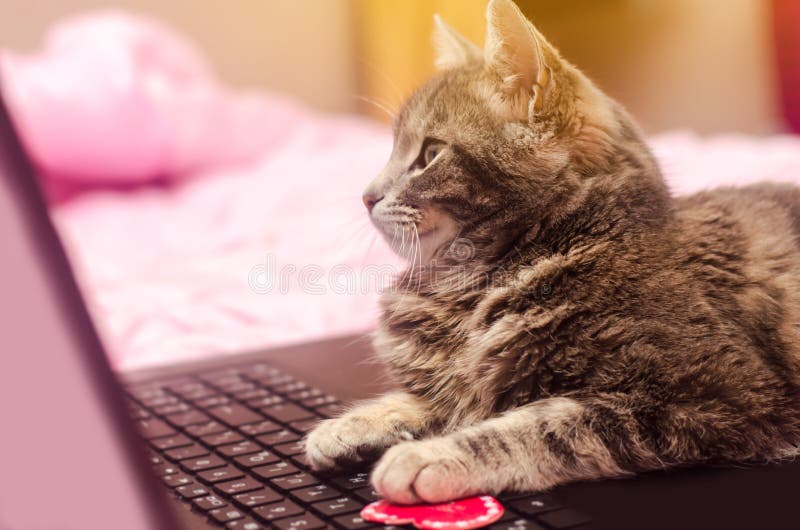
(563, 317)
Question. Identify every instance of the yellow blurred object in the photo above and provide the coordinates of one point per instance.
(394, 47)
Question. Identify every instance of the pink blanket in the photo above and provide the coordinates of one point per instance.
(220, 222)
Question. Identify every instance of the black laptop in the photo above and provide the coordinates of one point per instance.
(218, 443)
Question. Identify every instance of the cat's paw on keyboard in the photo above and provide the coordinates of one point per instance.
(350, 440)
(431, 471)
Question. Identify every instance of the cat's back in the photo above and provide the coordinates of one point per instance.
(759, 224)
(757, 205)
(740, 247)
(738, 238)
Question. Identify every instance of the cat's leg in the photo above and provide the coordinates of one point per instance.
(549, 442)
(367, 430)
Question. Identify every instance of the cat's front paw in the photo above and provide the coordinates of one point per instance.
(433, 470)
(350, 440)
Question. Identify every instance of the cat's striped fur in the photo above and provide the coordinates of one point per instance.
(596, 326)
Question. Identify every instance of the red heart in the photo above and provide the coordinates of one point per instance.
(463, 514)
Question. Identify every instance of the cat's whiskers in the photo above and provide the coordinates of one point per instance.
(413, 265)
(398, 94)
(347, 239)
(394, 237)
(419, 252)
(378, 105)
(370, 246)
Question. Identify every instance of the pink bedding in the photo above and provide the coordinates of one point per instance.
(212, 222)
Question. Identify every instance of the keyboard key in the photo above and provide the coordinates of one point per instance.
(171, 442)
(158, 402)
(508, 515)
(145, 392)
(245, 524)
(209, 502)
(288, 388)
(192, 491)
(287, 412)
(318, 401)
(254, 371)
(300, 460)
(258, 497)
(330, 411)
(565, 518)
(291, 448)
(279, 437)
(212, 401)
(179, 479)
(212, 476)
(277, 510)
(166, 469)
(253, 393)
(258, 459)
(239, 387)
(275, 470)
(352, 522)
(243, 485)
(266, 401)
(226, 380)
(305, 393)
(235, 415)
(171, 409)
(138, 413)
(320, 492)
(154, 428)
(367, 494)
(204, 429)
(220, 375)
(191, 417)
(189, 388)
(535, 504)
(304, 426)
(291, 482)
(222, 438)
(242, 448)
(199, 393)
(354, 481)
(190, 451)
(337, 506)
(223, 515)
(262, 427)
(203, 463)
(302, 522)
(517, 524)
(273, 380)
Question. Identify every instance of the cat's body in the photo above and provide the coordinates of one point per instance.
(713, 289)
(569, 320)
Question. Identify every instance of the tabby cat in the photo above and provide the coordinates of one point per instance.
(564, 318)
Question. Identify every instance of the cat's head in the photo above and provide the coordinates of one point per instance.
(499, 140)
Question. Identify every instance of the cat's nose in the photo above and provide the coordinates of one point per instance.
(370, 200)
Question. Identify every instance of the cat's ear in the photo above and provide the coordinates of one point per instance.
(452, 49)
(516, 52)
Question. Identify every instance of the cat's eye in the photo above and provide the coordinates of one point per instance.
(428, 152)
(431, 151)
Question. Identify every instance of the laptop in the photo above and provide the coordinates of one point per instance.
(218, 443)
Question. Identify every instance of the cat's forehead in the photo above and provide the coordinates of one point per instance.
(442, 102)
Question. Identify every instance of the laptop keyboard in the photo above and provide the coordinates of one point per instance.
(229, 444)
